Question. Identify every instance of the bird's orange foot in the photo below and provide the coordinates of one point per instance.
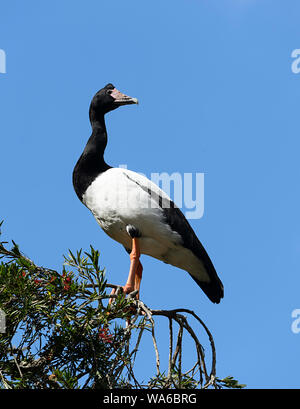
(127, 289)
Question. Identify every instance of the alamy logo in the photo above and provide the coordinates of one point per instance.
(295, 327)
(187, 188)
(2, 62)
(296, 63)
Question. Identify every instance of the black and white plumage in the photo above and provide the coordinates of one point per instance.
(122, 200)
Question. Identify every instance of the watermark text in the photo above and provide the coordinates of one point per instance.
(187, 190)
(2, 62)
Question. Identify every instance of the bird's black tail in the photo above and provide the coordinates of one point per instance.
(213, 289)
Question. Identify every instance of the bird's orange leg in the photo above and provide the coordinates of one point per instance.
(138, 279)
(134, 266)
(135, 271)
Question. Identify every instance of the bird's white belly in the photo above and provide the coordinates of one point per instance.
(116, 201)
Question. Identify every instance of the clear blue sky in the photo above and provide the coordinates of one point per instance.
(217, 95)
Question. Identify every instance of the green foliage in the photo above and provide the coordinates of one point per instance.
(182, 381)
(230, 382)
(57, 328)
(62, 333)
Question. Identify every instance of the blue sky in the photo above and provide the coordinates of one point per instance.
(217, 96)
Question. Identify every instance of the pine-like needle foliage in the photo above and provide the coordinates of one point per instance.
(60, 332)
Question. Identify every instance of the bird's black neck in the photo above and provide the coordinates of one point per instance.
(95, 147)
(91, 162)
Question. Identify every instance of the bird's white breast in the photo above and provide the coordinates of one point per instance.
(119, 197)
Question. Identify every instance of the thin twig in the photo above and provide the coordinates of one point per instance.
(6, 385)
(170, 368)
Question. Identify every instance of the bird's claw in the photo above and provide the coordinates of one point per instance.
(133, 293)
(127, 290)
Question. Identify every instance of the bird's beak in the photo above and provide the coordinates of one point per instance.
(122, 99)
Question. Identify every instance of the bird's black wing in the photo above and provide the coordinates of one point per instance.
(178, 222)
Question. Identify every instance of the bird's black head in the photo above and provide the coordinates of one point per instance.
(107, 99)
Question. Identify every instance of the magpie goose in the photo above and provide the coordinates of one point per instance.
(134, 211)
